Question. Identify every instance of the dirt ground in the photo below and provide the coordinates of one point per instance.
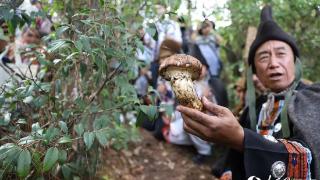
(151, 159)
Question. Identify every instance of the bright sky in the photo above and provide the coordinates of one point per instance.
(210, 9)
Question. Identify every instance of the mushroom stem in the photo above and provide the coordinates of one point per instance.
(183, 87)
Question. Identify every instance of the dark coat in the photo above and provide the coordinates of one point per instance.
(259, 153)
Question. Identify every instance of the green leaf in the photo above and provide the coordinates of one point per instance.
(101, 3)
(58, 44)
(4, 150)
(26, 140)
(71, 55)
(151, 30)
(26, 17)
(51, 133)
(36, 161)
(83, 69)
(11, 155)
(44, 62)
(2, 100)
(78, 45)
(62, 156)
(30, 90)
(45, 86)
(65, 139)
(1, 173)
(62, 29)
(63, 126)
(66, 114)
(140, 118)
(6, 120)
(56, 61)
(22, 121)
(150, 111)
(168, 108)
(50, 158)
(7, 13)
(79, 129)
(80, 102)
(28, 99)
(40, 101)
(23, 165)
(85, 42)
(36, 128)
(102, 137)
(88, 138)
(101, 122)
(58, 88)
(66, 171)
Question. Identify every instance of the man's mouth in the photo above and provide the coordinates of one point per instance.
(275, 76)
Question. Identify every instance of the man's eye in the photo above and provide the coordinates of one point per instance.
(263, 58)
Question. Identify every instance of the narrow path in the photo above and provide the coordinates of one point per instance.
(151, 159)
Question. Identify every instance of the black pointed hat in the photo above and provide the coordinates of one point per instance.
(269, 30)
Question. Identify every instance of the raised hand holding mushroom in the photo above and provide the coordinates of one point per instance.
(181, 70)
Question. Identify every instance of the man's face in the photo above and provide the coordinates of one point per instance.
(206, 31)
(30, 37)
(274, 63)
(207, 28)
(160, 9)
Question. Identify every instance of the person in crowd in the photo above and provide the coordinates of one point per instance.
(6, 42)
(43, 24)
(278, 135)
(240, 88)
(21, 47)
(186, 34)
(163, 97)
(30, 41)
(144, 57)
(142, 82)
(5, 31)
(259, 87)
(206, 49)
(168, 37)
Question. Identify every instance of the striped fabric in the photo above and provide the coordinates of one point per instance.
(299, 160)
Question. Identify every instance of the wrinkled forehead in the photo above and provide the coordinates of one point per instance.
(273, 45)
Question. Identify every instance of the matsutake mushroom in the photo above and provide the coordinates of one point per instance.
(181, 70)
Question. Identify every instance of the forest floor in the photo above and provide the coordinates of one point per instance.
(151, 159)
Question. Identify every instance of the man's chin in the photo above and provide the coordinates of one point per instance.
(279, 87)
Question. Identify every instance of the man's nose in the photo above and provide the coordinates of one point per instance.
(274, 62)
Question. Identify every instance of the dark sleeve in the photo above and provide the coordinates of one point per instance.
(260, 154)
(195, 52)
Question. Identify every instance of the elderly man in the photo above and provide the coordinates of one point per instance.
(280, 138)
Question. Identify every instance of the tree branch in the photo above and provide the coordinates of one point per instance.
(109, 77)
(10, 71)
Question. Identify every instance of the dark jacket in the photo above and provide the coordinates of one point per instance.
(260, 154)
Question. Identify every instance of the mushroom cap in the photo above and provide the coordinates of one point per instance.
(183, 62)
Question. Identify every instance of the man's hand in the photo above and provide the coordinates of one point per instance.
(221, 126)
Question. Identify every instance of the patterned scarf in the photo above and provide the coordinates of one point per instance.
(270, 112)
